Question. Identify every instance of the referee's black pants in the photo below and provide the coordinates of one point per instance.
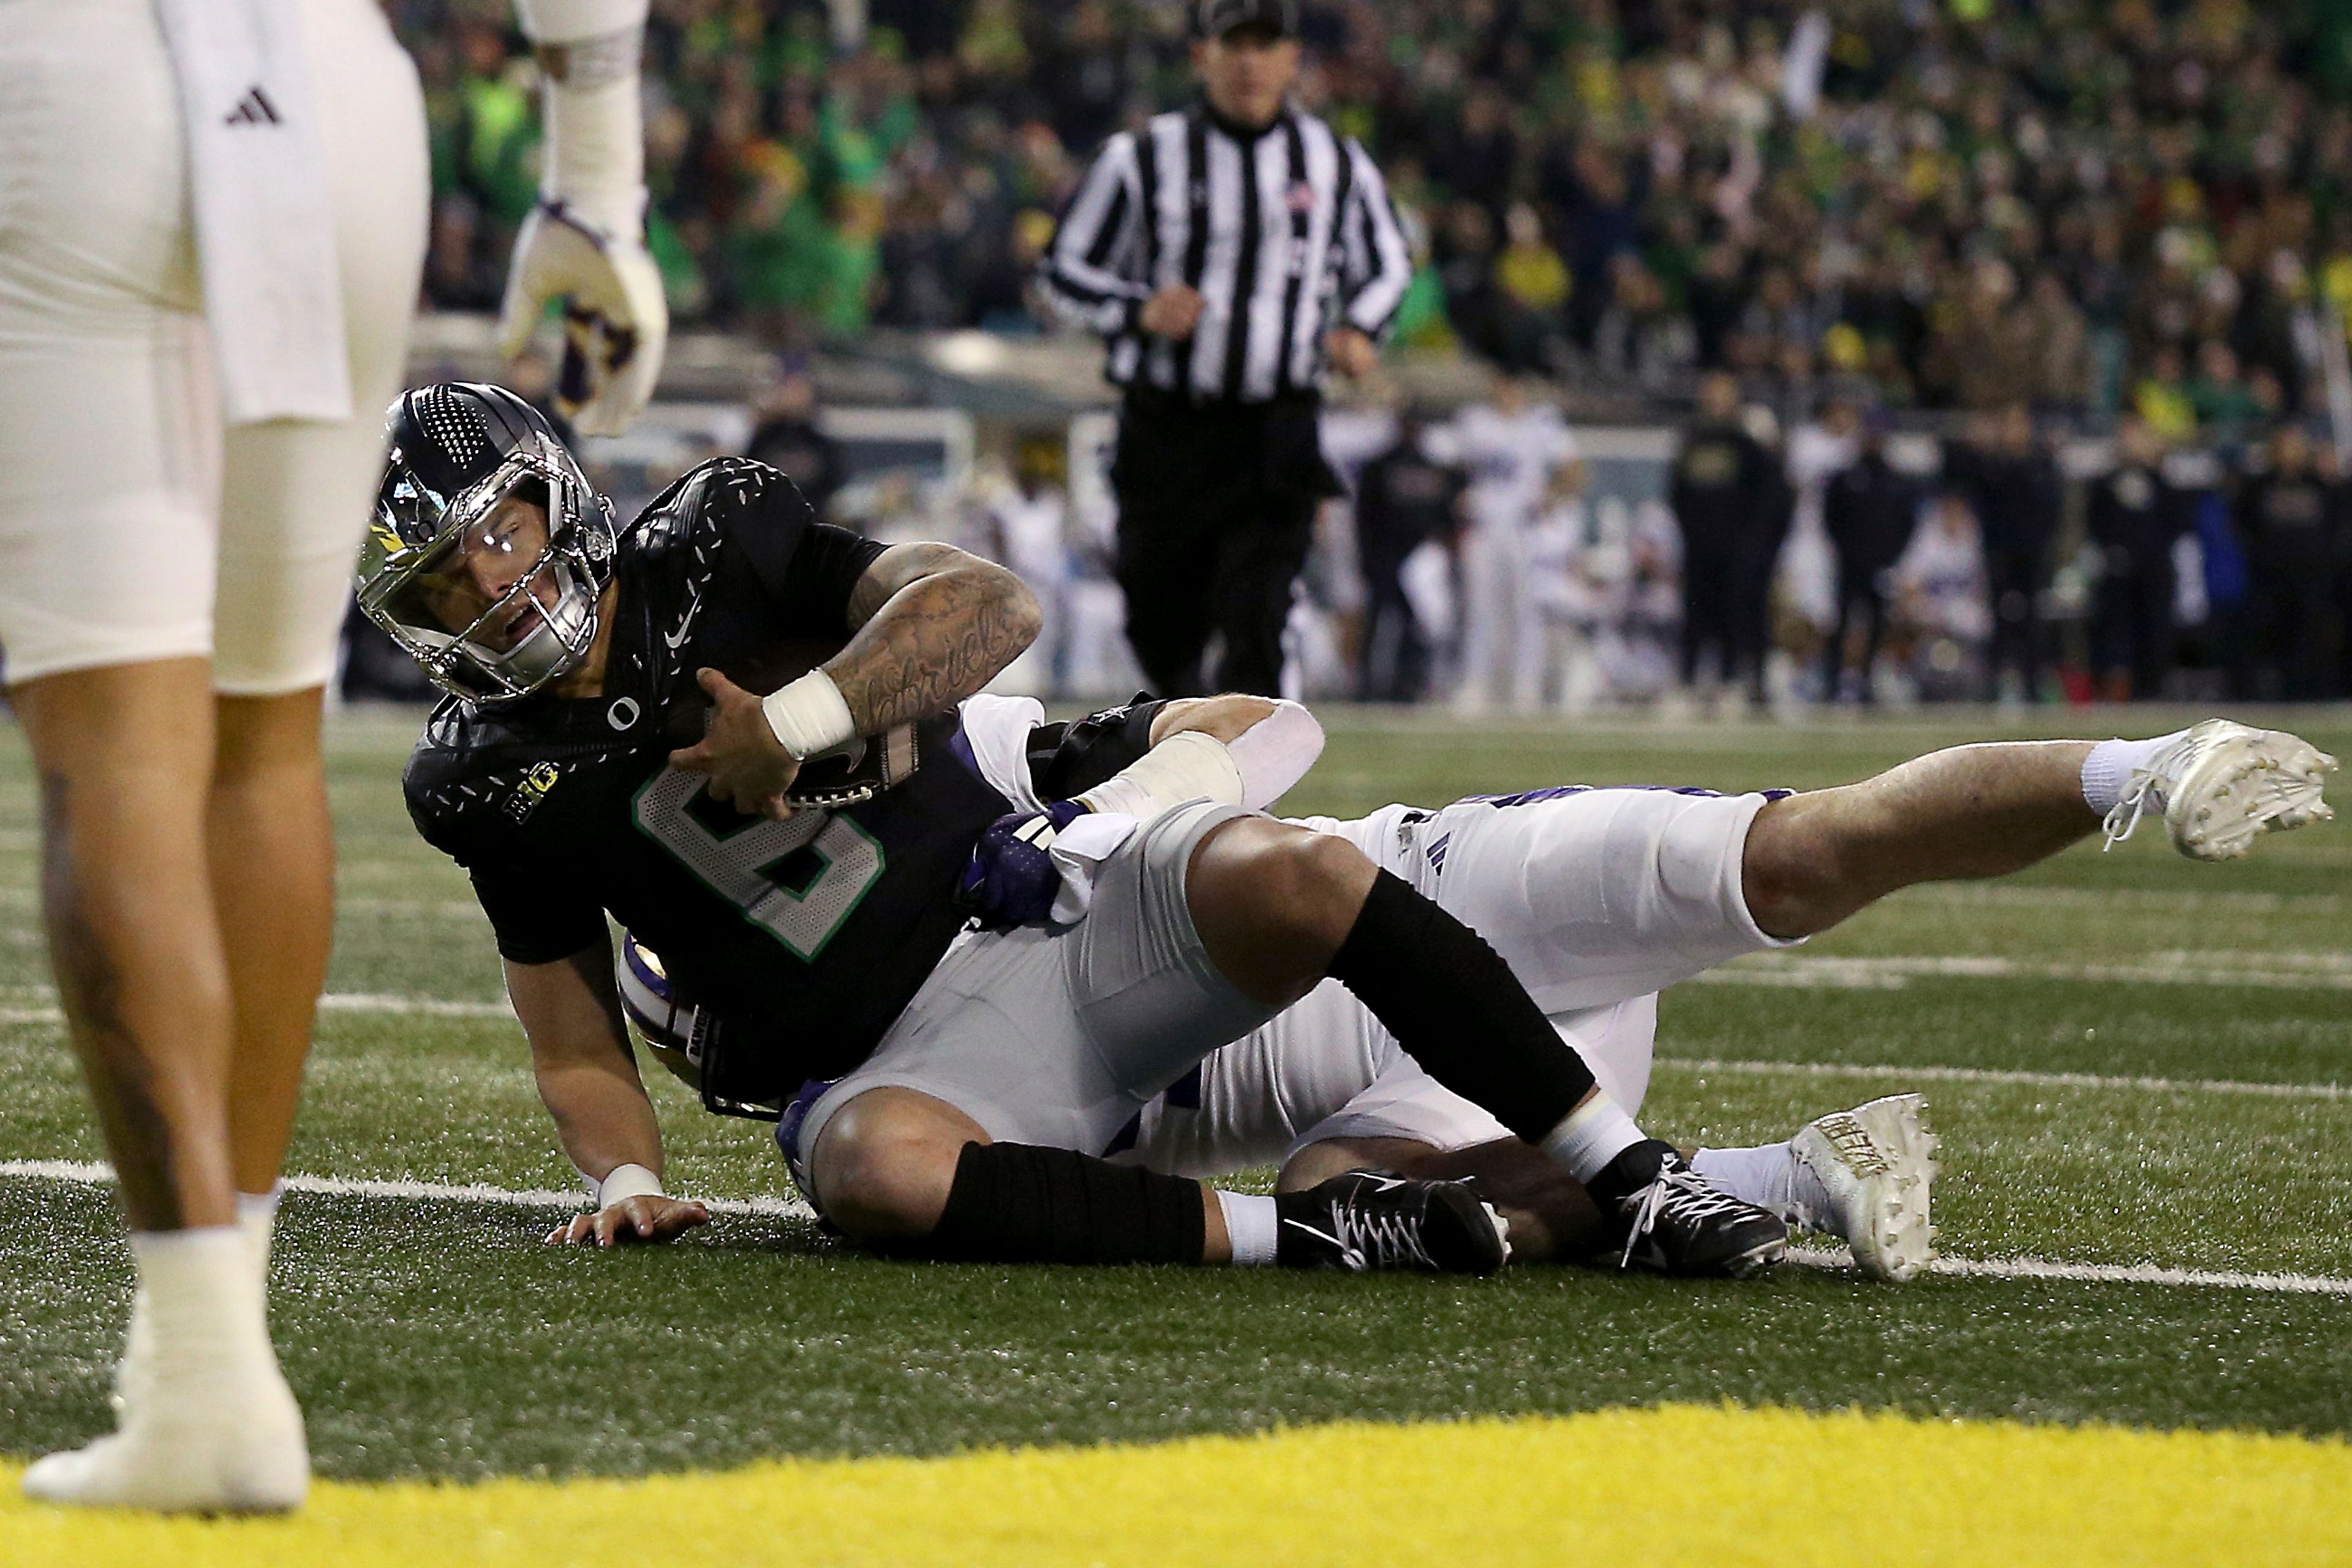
(1216, 513)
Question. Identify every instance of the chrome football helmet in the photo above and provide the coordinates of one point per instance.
(493, 602)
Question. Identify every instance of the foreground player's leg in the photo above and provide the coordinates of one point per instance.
(1982, 811)
(269, 846)
(272, 848)
(125, 755)
(905, 1170)
(1279, 909)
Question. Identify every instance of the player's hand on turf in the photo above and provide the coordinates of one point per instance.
(1352, 353)
(616, 319)
(1172, 311)
(645, 1218)
(1011, 880)
(748, 767)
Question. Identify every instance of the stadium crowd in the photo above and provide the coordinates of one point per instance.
(2140, 203)
(2118, 234)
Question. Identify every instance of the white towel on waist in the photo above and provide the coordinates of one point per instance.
(265, 228)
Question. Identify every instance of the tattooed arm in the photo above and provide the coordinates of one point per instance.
(932, 625)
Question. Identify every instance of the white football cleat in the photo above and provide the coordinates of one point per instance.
(2223, 785)
(189, 1445)
(1877, 1164)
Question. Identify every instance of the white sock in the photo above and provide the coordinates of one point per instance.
(1253, 1225)
(2107, 771)
(257, 1216)
(1767, 1176)
(204, 1300)
(1591, 1136)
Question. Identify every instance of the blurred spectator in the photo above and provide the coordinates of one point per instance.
(786, 435)
(1532, 285)
(1939, 585)
(1029, 528)
(2284, 516)
(1727, 495)
(1406, 501)
(1870, 512)
(2012, 485)
(2332, 474)
(2135, 515)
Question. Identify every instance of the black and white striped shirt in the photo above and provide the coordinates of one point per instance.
(1288, 235)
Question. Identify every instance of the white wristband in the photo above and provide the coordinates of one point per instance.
(809, 715)
(624, 1182)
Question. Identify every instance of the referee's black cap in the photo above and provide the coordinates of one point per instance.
(1215, 18)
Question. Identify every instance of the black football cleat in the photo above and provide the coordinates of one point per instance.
(1680, 1225)
(1366, 1220)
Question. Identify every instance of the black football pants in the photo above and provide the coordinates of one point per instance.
(1216, 513)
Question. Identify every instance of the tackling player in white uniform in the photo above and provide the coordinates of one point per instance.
(1599, 898)
(212, 228)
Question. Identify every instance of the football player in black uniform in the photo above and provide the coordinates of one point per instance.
(796, 858)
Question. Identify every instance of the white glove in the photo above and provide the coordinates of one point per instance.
(616, 320)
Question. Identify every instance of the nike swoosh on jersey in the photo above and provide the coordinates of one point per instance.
(684, 622)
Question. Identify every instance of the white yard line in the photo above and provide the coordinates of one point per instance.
(333, 1002)
(90, 1174)
(1897, 1072)
(87, 1173)
(2097, 1273)
(2299, 972)
(2014, 895)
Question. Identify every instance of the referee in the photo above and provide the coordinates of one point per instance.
(1228, 251)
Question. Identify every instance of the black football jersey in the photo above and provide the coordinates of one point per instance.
(810, 934)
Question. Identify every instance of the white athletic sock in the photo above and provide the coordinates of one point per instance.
(1767, 1175)
(204, 1300)
(257, 1216)
(1591, 1136)
(1254, 1226)
(2107, 771)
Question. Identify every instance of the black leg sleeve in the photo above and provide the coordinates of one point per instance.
(1011, 1202)
(1458, 1010)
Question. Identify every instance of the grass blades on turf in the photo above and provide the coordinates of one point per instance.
(441, 1338)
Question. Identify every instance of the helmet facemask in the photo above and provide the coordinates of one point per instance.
(423, 581)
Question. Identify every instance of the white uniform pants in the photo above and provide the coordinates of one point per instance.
(1502, 634)
(1598, 898)
(132, 526)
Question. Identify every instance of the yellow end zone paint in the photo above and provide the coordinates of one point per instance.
(1712, 1486)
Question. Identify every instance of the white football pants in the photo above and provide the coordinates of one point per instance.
(133, 527)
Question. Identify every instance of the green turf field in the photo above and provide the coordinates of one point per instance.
(2134, 1060)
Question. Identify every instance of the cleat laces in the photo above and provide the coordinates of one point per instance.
(1371, 1238)
(1377, 1240)
(1853, 1144)
(2124, 820)
(1679, 1195)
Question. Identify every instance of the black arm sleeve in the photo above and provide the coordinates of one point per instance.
(1069, 759)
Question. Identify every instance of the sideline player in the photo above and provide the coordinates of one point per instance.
(819, 906)
(1521, 457)
(212, 228)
